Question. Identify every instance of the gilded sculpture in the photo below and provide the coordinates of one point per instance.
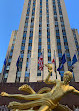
(41, 101)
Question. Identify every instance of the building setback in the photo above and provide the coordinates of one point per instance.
(8, 57)
(44, 26)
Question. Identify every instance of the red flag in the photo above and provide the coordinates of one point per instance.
(53, 61)
(40, 62)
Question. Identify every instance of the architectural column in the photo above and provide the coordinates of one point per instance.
(34, 56)
(44, 37)
(26, 46)
(16, 52)
(61, 36)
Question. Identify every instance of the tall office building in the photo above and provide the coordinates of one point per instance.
(44, 26)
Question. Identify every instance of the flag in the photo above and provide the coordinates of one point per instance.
(74, 60)
(54, 62)
(28, 70)
(60, 67)
(54, 59)
(63, 60)
(71, 69)
(40, 62)
(17, 63)
(5, 62)
(26, 74)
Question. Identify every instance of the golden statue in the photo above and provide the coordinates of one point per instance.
(44, 101)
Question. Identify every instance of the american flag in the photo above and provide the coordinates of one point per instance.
(40, 62)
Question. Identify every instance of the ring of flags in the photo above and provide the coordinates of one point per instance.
(62, 62)
(41, 62)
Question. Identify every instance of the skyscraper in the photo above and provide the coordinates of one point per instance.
(44, 26)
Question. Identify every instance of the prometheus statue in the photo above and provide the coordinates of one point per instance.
(46, 101)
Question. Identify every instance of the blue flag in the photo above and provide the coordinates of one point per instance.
(26, 74)
(63, 60)
(18, 61)
(5, 62)
(60, 67)
(71, 69)
(74, 60)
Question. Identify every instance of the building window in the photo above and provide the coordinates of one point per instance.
(39, 73)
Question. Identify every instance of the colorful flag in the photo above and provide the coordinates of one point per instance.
(63, 60)
(5, 62)
(71, 69)
(74, 60)
(26, 74)
(28, 70)
(40, 62)
(54, 61)
(60, 67)
(17, 63)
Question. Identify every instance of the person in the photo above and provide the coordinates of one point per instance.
(46, 101)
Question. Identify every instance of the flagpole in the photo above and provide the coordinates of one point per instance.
(55, 65)
(77, 54)
(43, 65)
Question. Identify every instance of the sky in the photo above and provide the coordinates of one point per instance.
(10, 15)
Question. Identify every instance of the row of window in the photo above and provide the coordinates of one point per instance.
(64, 33)
(27, 72)
(76, 42)
(19, 67)
(39, 40)
(8, 61)
(57, 34)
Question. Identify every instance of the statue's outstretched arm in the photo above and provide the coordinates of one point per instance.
(22, 97)
(48, 81)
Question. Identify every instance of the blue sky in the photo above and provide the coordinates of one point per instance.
(10, 14)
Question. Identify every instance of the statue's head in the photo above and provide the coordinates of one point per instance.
(67, 76)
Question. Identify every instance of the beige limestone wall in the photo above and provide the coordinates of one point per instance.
(13, 68)
(14, 33)
(61, 36)
(44, 36)
(26, 46)
(76, 66)
(71, 43)
(34, 56)
(53, 39)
